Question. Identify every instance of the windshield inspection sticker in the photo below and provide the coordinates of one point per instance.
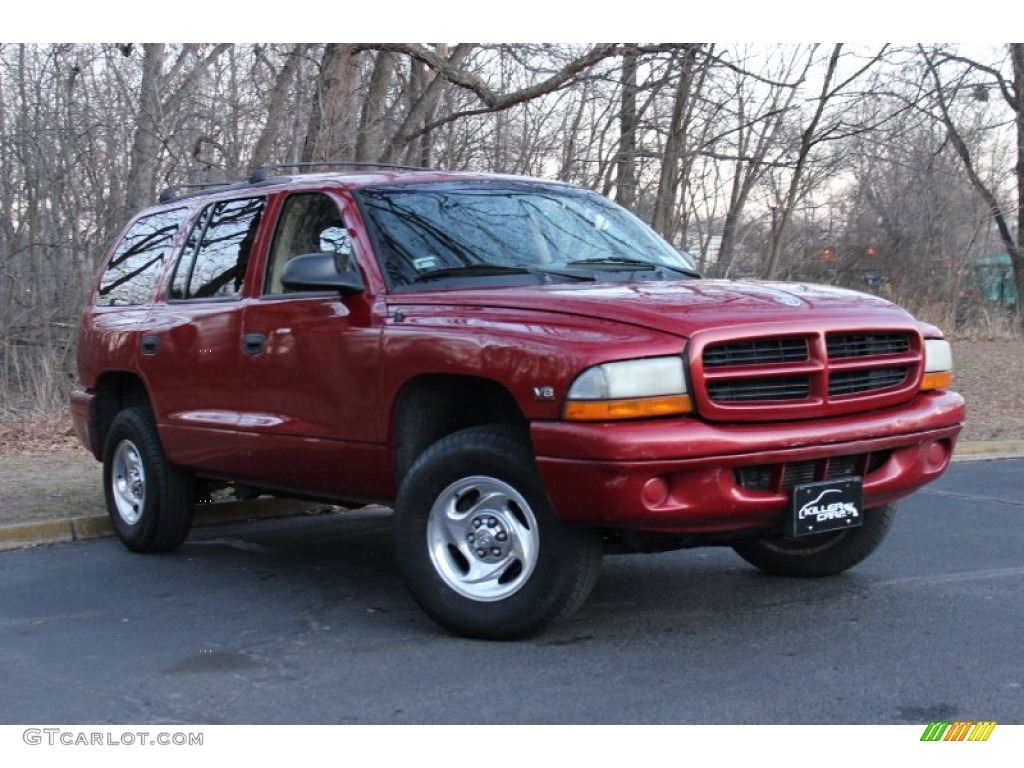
(826, 506)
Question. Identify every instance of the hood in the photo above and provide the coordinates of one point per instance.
(680, 307)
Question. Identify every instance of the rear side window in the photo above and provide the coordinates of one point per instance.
(138, 259)
(216, 256)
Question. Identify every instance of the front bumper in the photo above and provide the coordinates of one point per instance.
(680, 475)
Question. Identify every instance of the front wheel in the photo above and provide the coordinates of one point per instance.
(823, 554)
(480, 547)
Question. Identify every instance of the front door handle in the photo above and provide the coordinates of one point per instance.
(254, 343)
(150, 344)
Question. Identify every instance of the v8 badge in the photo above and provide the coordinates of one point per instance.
(544, 393)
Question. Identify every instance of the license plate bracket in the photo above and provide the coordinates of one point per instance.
(828, 505)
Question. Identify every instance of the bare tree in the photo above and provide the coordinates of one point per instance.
(692, 71)
(328, 135)
(625, 183)
(816, 131)
(758, 126)
(917, 158)
(154, 104)
(276, 109)
(1011, 89)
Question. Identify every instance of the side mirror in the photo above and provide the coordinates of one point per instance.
(321, 272)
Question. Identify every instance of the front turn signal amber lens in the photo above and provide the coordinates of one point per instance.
(636, 408)
(936, 380)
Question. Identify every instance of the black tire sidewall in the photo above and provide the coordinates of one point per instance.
(167, 512)
(833, 557)
(565, 555)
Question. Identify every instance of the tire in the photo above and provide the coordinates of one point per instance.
(150, 501)
(479, 545)
(824, 554)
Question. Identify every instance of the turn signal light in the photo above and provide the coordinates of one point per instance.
(936, 380)
(638, 408)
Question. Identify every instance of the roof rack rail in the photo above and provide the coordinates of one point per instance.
(264, 171)
(174, 192)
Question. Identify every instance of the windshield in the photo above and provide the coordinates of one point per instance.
(445, 230)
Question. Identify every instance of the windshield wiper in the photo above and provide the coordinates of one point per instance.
(471, 270)
(621, 261)
(491, 270)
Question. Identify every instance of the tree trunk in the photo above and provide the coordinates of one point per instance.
(1002, 221)
(566, 172)
(368, 142)
(807, 141)
(668, 181)
(751, 155)
(420, 113)
(145, 153)
(324, 139)
(1013, 246)
(625, 185)
(262, 151)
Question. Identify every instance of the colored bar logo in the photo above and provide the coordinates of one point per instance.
(961, 730)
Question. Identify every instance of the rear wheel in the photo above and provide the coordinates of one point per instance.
(479, 545)
(150, 501)
(824, 554)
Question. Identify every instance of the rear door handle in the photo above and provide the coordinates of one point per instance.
(253, 343)
(150, 345)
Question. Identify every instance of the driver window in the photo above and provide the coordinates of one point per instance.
(309, 223)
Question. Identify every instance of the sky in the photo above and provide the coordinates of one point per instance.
(868, 21)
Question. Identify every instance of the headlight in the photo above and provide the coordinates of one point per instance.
(938, 364)
(630, 389)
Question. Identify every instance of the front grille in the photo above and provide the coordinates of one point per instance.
(844, 345)
(779, 477)
(756, 352)
(812, 373)
(740, 390)
(850, 382)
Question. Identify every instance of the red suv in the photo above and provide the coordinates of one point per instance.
(521, 368)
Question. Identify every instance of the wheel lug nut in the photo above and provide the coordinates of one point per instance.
(480, 553)
(491, 522)
(470, 538)
(496, 552)
(501, 536)
(477, 523)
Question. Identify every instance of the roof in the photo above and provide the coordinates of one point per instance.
(362, 175)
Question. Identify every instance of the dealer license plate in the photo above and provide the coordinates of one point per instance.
(826, 506)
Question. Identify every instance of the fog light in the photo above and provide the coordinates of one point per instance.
(655, 492)
(937, 454)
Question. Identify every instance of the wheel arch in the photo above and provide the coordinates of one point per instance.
(116, 391)
(432, 406)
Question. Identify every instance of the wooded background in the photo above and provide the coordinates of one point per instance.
(891, 169)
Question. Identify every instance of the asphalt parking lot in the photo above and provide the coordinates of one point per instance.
(304, 620)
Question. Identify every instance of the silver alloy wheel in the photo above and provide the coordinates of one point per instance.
(483, 538)
(128, 478)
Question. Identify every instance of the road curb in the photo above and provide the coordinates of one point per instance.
(988, 450)
(17, 535)
(44, 531)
